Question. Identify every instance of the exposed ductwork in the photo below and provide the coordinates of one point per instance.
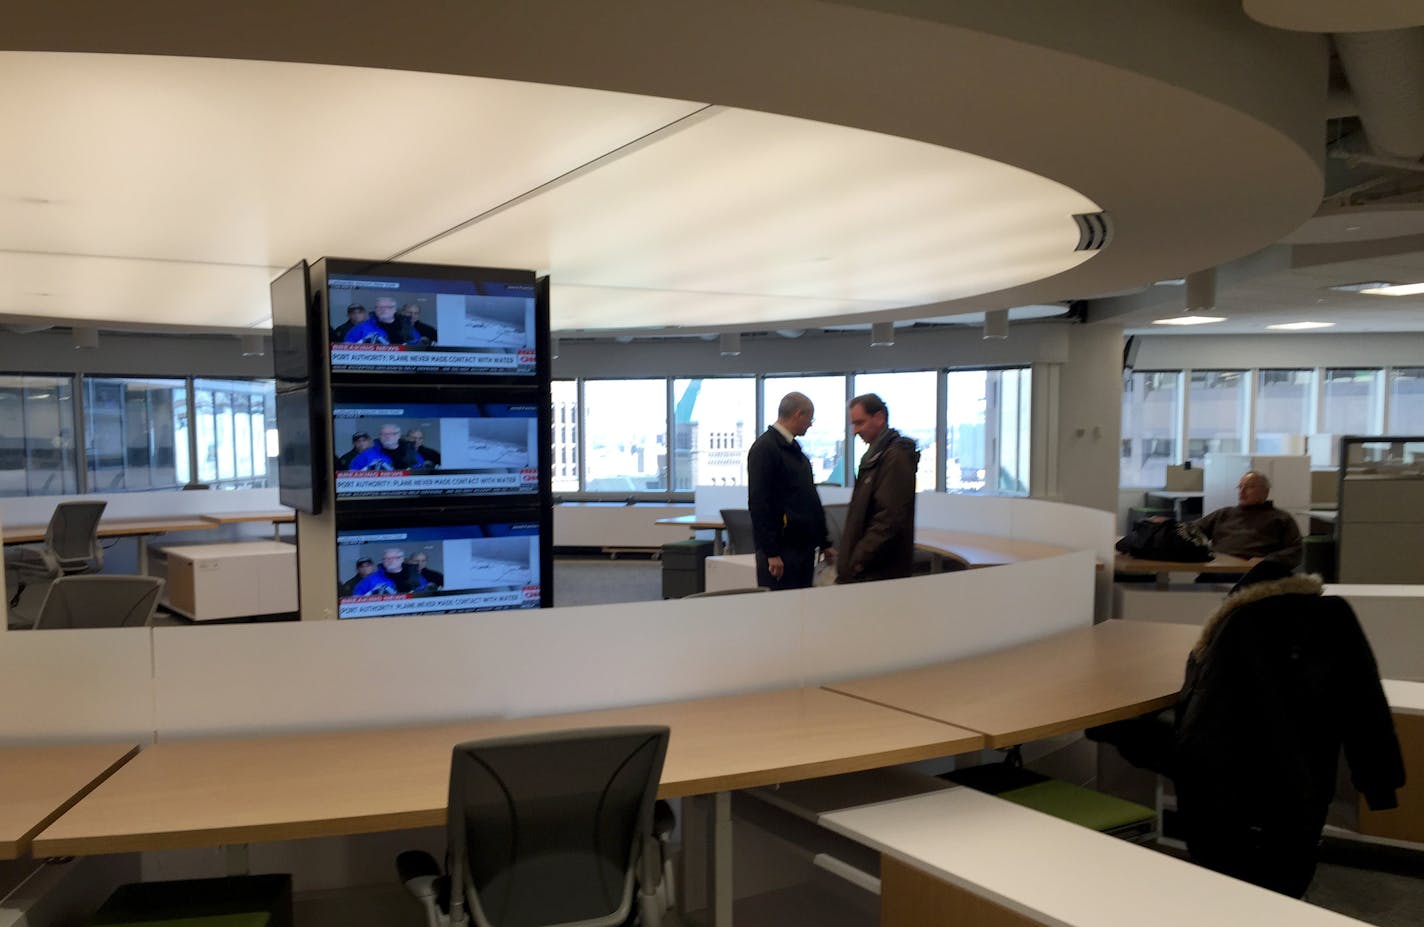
(1386, 75)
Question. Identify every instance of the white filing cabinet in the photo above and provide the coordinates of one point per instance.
(207, 582)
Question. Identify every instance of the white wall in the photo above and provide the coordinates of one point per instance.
(1090, 417)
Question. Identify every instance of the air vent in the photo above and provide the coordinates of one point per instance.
(1094, 231)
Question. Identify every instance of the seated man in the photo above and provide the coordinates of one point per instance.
(1253, 529)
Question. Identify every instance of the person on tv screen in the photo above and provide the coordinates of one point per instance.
(417, 438)
(355, 315)
(401, 452)
(393, 577)
(385, 326)
(374, 456)
(434, 577)
(426, 333)
(364, 567)
(360, 442)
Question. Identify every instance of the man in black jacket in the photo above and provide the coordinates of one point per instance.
(879, 537)
(787, 519)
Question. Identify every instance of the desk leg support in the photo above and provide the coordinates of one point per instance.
(707, 834)
(717, 546)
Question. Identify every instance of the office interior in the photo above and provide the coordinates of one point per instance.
(1220, 142)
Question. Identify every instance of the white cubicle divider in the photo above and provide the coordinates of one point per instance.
(36, 510)
(80, 685)
(958, 512)
(615, 525)
(328, 674)
(1039, 520)
(309, 675)
(1393, 621)
(865, 628)
(709, 501)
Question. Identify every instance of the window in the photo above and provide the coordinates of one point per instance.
(1216, 413)
(987, 431)
(910, 399)
(714, 422)
(1282, 409)
(233, 417)
(37, 436)
(1350, 400)
(1151, 406)
(564, 396)
(824, 443)
(625, 425)
(130, 433)
(1014, 390)
(1406, 401)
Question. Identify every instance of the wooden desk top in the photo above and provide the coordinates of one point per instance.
(232, 518)
(1219, 563)
(1051, 686)
(114, 527)
(210, 792)
(982, 550)
(37, 784)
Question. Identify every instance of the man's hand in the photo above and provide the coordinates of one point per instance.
(828, 554)
(775, 567)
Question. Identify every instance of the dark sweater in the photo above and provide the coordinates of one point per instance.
(1260, 530)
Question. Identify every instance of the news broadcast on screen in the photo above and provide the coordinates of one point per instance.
(424, 570)
(391, 324)
(388, 449)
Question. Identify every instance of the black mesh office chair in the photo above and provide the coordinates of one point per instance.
(100, 602)
(740, 536)
(548, 830)
(71, 547)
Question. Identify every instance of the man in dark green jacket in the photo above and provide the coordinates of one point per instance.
(879, 537)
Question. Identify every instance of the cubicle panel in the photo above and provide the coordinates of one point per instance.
(306, 675)
(1393, 620)
(867, 628)
(709, 501)
(90, 684)
(615, 524)
(1073, 526)
(36, 510)
(958, 512)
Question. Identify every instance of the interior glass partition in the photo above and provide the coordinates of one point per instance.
(130, 433)
(37, 450)
(565, 450)
(233, 418)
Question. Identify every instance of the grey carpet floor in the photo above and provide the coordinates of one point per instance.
(600, 581)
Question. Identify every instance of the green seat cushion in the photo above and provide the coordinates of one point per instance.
(1079, 805)
(245, 919)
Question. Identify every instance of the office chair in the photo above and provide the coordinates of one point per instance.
(549, 830)
(740, 536)
(71, 547)
(835, 521)
(100, 602)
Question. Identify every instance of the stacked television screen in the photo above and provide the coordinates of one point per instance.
(414, 400)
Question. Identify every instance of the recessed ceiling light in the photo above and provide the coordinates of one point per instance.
(1299, 326)
(1397, 289)
(1360, 287)
(1179, 281)
(1189, 320)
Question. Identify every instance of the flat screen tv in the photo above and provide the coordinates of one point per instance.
(292, 345)
(301, 477)
(434, 442)
(425, 569)
(431, 319)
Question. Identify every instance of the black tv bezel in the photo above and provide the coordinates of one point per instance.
(310, 498)
(324, 269)
(396, 393)
(444, 517)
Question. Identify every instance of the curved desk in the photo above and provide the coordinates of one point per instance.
(211, 792)
(981, 550)
(38, 784)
